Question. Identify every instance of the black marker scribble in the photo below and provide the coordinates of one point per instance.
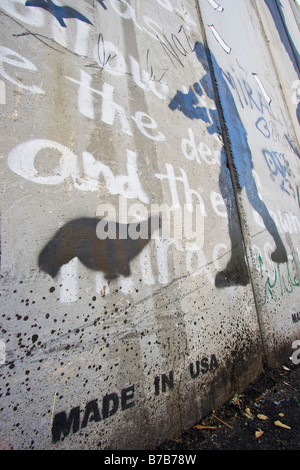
(101, 54)
(104, 58)
(152, 76)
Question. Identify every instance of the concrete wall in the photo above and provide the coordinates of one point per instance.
(114, 109)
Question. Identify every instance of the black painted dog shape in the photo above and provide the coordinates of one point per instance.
(78, 238)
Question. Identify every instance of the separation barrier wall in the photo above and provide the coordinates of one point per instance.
(150, 222)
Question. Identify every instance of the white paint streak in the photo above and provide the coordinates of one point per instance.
(162, 248)
(69, 282)
(127, 285)
(85, 97)
(145, 266)
(30, 16)
(262, 89)
(82, 38)
(12, 58)
(101, 284)
(221, 41)
(2, 93)
(60, 35)
(22, 158)
(218, 248)
(215, 5)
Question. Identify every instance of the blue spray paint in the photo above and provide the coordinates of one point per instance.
(60, 13)
(187, 104)
(236, 167)
(240, 158)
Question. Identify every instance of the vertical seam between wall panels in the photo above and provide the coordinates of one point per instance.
(229, 161)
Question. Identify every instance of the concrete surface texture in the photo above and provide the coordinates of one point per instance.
(150, 225)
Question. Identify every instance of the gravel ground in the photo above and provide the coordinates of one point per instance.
(264, 417)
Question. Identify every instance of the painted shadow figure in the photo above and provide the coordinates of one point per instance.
(60, 13)
(236, 271)
(188, 103)
(102, 4)
(78, 238)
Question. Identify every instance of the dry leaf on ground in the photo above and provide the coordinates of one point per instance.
(263, 417)
(280, 424)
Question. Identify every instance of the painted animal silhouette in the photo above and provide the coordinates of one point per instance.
(112, 255)
(59, 12)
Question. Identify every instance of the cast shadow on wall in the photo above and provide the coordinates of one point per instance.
(111, 255)
(277, 11)
(59, 12)
(78, 238)
(236, 271)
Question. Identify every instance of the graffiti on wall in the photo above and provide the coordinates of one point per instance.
(241, 160)
(267, 125)
(283, 279)
(64, 423)
(99, 103)
(243, 169)
(279, 165)
(189, 103)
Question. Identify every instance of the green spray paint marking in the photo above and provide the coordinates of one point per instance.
(287, 281)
